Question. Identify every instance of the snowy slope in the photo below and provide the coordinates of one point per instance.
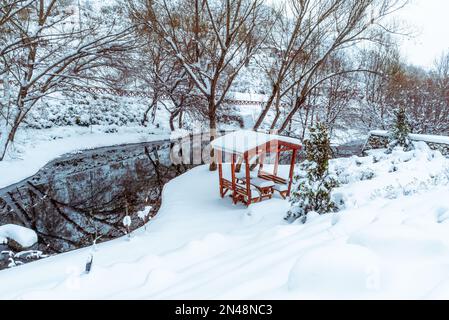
(391, 241)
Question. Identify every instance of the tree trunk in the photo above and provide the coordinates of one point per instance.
(12, 133)
(299, 102)
(276, 118)
(153, 114)
(7, 136)
(304, 123)
(145, 116)
(213, 134)
(267, 107)
(172, 118)
(180, 120)
(171, 121)
(4, 142)
(278, 112)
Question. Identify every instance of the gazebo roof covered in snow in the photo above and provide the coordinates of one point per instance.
(240, 142)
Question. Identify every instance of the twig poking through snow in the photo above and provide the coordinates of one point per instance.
(89, 263)
(144, 215)
(127, 224)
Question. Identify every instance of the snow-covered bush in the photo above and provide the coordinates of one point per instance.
(388, 176)
(359, 171)
(400, 131)
(313, 182)
(86, 110)
(22, 237)
(19, 258)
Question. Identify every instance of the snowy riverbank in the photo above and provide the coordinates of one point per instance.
(391, 241)
(33, 148)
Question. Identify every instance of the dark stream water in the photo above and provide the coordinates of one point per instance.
(81, 197)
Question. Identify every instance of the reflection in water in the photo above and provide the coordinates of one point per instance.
(83, 198)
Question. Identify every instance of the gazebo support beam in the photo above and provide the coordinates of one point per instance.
(234, 192)
(220, 170)
(262, 160)
(248, 180)
(292, 170)
(276, 161)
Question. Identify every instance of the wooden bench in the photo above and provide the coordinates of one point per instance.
(240, 193)
(280, 184)
(263, 187)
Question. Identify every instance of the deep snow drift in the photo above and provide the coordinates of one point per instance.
(391, 241)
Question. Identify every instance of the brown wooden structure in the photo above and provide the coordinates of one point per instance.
(244, 150)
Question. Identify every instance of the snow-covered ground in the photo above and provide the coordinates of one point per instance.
(33, 148)
(391, 241)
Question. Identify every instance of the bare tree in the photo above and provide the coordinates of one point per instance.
(425, 97)
(440, 78)
(212, 40)
(10, 8)
(441, 73)
(150, 70)
(47, 51)
(423, 94)
(330, 102)
(378, 87)
(318, 30)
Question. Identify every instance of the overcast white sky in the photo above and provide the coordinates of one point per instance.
(431, 20)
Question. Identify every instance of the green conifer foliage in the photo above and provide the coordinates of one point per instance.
(313, 183)
(400, 131)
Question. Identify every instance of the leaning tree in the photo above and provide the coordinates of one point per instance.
(308, 35)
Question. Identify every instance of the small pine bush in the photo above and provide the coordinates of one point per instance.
(313, 184)
(399, 135)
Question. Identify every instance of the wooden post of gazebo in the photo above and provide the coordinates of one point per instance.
(233, 178)
(220, 171)
(248, 180)
(292, 171)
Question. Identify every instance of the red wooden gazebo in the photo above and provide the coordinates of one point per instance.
(248, 150)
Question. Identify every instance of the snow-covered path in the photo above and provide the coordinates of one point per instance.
(392, 241)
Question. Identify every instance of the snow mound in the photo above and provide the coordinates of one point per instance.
(342, 268)
(399, 242)
(23, 236)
